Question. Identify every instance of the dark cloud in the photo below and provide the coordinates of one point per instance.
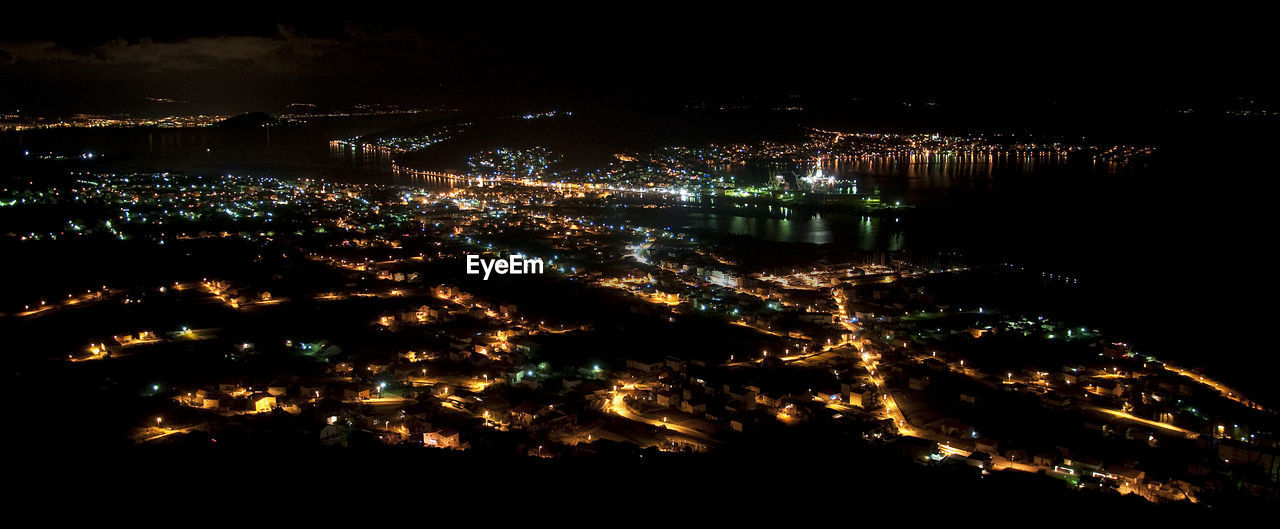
(284, 52)
(230, 62)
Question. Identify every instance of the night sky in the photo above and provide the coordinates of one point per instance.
(1023, 70)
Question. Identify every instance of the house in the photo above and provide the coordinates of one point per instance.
(211, 401)
(817, 317)
(1044, 459)
(988, 445)
(829, 395)
(1083, 464)
(134, 339)
(334, 435)
(863, 398)
(976, 459)
(495, 408)
(262, 402)
(1237, 451)
(1124, 475)
(552, 419)
(742, 395)
(593, 391)
(355, 393)
(527, 412)
(447, 291)
(443, 438)
(770, 399)
(667, 399)
(645, 367)
(676, 364)
(749, 421)
(955, 428)
(417, 426)
(693, 406)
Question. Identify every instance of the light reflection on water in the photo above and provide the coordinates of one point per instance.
(864, 233)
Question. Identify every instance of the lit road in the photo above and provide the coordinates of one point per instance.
(619, 406)
(890, 405)
(71, 301)
(1217, 386)
(165, 432)
(382, 401)
(1117, 413)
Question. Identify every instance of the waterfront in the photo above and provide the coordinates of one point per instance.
(1127, 260)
